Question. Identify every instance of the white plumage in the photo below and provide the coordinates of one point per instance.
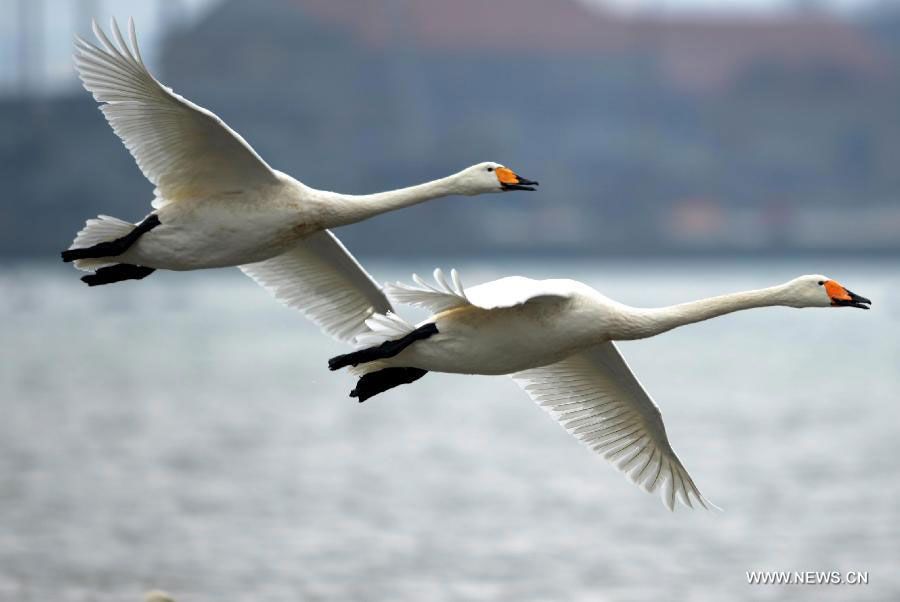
(186, 151)
(95, 231)
(324, 282)
(555, 338)
(440, 297)
(597, 398)
(219, 204)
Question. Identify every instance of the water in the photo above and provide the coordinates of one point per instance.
(184, 433)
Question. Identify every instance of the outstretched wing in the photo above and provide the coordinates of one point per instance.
(321, 278)
(441, 296)
(183, 149)
(597, 398)
(446, 294)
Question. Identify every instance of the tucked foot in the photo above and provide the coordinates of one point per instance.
(103, 249)
(374, 383)
(385, 350)
(112, 248)
(117, 273)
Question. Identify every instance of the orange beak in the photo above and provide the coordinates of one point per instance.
(841, 297)
(509, 180)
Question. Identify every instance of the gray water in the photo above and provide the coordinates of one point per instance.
(184, 433)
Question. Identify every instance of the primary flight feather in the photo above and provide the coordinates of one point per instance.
(217, 203)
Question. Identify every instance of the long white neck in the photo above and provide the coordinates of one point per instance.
(640, 323)
(351, 208)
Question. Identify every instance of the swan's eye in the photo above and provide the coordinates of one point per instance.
(821, 282)
(490, 169)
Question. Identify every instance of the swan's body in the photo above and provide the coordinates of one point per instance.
(222, 232)
(217, 202)
(555, 337)
(247, 226)
(511, 336)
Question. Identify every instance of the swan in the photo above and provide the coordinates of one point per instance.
(555, 338)
(217, 203)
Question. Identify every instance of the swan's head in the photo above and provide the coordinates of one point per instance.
(491, 177)
(821, 291)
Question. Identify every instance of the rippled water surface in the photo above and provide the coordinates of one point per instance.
(184, 433)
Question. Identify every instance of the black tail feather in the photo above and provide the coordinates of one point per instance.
(383, 351)
(374, 383)
(117, 273)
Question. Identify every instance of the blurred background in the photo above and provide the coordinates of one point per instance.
(658, 127)
(184, 433)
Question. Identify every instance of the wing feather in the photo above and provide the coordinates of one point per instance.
(321, 278)
(597, 398)
(445, 295)
(185, 150)
(433, 298)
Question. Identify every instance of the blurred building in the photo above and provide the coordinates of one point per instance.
(695, 134)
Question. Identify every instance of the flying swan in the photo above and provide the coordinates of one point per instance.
(555, 338)
(219, 204)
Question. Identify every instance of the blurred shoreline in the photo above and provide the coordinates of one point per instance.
(700, 257)
(652, 134)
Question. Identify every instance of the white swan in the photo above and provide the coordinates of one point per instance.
(555, 338)
(217, 202)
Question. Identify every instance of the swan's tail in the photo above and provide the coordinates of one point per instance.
(388, 335)
(102, 228)
(381, 328)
